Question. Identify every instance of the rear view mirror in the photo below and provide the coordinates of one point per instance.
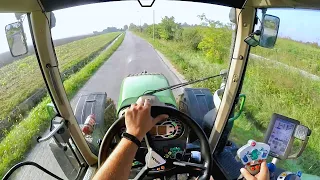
(16, 39)
(269, 31)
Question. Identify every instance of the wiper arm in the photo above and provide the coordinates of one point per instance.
(182, 84)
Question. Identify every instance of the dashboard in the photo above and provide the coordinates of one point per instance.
(169, 139)
(169, 129)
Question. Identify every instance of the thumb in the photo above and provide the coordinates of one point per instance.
(264, 167)
(246, 174)
(159, 118)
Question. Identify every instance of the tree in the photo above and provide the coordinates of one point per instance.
(168, 28)
(144, 26)
(185, 25)
(132, 27)
(125, 27)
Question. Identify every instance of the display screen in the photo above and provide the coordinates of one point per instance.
(280, 136)
(158, 130)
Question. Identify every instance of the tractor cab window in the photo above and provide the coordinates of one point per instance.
(283, 80)
(116, 52)
(26, 107)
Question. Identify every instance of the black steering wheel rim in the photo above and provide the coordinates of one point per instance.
(155, 111)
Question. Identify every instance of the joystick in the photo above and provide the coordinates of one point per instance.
(252, 154)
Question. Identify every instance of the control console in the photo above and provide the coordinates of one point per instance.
(252, 154)
(278, 143)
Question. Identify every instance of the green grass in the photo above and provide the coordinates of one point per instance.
(20, 79)
(187, 62)
(272, 89)
(300, 55)
(21, 138)
(269, 88)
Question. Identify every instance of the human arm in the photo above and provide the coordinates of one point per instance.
(262, 175)
(118, 165)
(138, 122)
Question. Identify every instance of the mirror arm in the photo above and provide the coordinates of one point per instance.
(296, 155)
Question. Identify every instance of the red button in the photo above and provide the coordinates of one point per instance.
(253, 144)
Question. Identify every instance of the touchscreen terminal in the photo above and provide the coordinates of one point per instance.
(280, 135)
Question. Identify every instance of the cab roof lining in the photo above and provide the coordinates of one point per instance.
(24, 6)
(51, 5)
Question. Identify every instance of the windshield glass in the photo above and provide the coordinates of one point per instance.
(285, 80)
(111, 53)
(97, 47)
(26, 108)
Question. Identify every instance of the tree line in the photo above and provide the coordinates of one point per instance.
(211, 37)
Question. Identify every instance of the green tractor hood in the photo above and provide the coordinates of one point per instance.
(135, 86)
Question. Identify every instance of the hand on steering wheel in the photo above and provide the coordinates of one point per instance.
(138, 122)
(262, 175)
(138, 119)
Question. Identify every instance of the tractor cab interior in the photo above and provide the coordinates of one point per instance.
(213, 127)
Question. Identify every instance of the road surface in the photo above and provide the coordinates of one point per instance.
(133, 56)
(18, 47)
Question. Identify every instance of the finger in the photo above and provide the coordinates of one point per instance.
(246, 174)
(133, 107)
(159, 118)
(147, 102)
(140, 102)
(264, 167)
(147, 105)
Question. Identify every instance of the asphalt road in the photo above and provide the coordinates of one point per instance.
(18, 46)
(133, 56)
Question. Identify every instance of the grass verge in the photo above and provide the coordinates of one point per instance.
(20, 79)
(268, 88)
(21, 138)
(297, 54)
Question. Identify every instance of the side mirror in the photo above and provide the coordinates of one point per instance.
(16, 39)
(269, 31)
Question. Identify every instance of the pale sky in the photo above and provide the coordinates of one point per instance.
(300, 25)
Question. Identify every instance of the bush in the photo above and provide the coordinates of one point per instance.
(191, 37)
(149, 31)
(178, 34)
(167, 28)
(215, 43)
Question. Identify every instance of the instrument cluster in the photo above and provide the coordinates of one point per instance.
(171, 128)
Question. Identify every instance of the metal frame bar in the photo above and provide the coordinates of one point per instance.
(49, 65)
(238, 62)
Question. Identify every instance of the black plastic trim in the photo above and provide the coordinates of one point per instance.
(50, 5)
(21, 164)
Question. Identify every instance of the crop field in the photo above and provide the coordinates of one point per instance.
(22, 137)
(269, 88)
(20, 79)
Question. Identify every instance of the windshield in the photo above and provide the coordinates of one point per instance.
(111, 53)
(285, 80)
(97, 51)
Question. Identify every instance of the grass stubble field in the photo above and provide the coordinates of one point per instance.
(269, 88)
(20, 79)
(23, 135)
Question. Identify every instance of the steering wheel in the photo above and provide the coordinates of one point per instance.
(204, 168)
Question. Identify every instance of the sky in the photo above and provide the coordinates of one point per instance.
(302, 25)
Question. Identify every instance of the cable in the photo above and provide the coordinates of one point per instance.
(180, 85)
(19, 165)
